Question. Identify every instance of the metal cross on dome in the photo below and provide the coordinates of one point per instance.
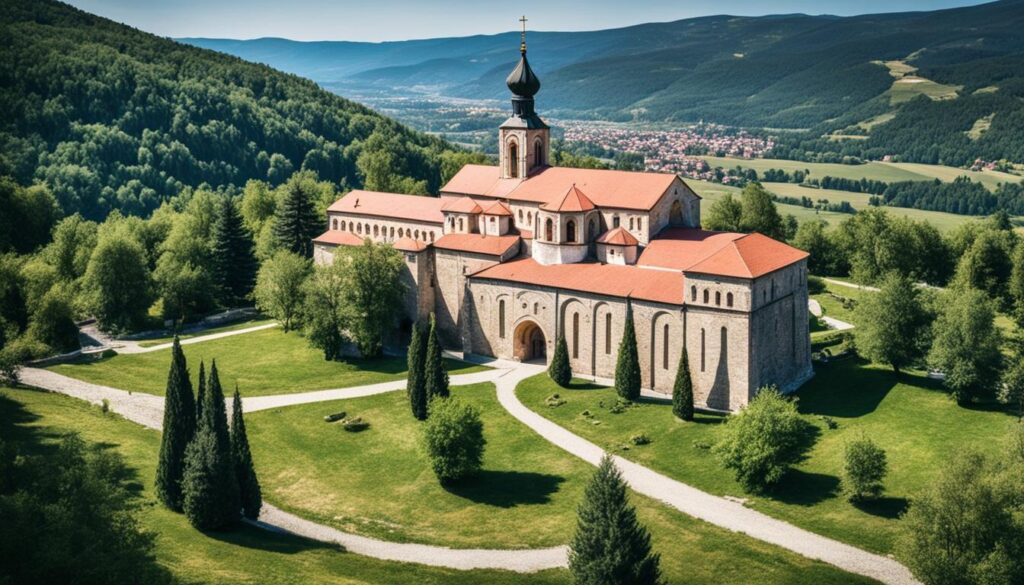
(522, 44)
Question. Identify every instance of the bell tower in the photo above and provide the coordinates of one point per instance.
(524, 140)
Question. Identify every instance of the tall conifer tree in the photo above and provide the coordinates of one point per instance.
(210, 486)
(627, 368)
(296, 222)
(434, 369)
(245, 471)
(417, 383)
(201, 392)
(179, 428)
(234, 261)
(682, 390)
(610, 546)
(560, 370)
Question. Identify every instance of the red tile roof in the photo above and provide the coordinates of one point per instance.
(390, 205)
(618, 237)
(477, 243)
(338, 238)
(462, 205)
(661, 286)
(718, 253)
(409, 245)
(498, 208)
(573, 201)
(605, 188)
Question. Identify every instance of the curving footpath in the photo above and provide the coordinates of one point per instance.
(710, 508)
(147, 410)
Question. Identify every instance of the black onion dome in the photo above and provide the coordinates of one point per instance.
(522, 81)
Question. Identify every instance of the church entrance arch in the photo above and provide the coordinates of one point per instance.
(530, 343)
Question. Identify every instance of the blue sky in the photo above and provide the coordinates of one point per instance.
(380, 20)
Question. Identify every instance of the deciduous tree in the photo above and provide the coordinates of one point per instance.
(725, 215)
(967, 343)
(117, 284)
(865, 468)
(324, 311)
(279, 287)
(758, 212)
(373, 291)
(893, 324)
(453, 439)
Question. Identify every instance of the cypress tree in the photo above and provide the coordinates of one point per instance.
(610, 546)
(248, 485)
(179, 428)
(296, 222)
(234, 262)
(560, 370)
(682, 390)
(434, 371)
(201, 392)
(416, 383)
(627, 368)
(209, 486)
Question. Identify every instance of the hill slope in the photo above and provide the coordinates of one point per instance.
(821, 74)
(114, 118)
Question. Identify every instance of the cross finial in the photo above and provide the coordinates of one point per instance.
(522, 43)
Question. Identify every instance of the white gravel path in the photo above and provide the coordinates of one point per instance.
(851, 284)
(710, 508)
(126, 346)
(836, 324)
(814, 307)
(147, 410)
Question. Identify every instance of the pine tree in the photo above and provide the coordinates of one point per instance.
(201, 392)
(610, 546)
(234, 261)
(682, 390)
(296, 222)
(627, 368)
(179, 428)
(416, 387)
(245, 471)
(209, 485)
(434, 371)
(560, 370)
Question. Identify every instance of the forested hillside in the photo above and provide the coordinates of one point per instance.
(936, 87)
(110, 117)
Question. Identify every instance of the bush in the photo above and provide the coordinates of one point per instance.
(865, 468)
(763, 440)
(453, 438)
(355, 424)
(640, 439)
(554, 400)
(334, 417)
(815, 285)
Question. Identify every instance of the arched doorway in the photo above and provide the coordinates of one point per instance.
(530, 343)
(675, 215)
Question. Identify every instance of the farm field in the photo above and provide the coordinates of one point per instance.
(881, 171)
(263, 362)
(712, 192)
(907, 415)
(691, 551)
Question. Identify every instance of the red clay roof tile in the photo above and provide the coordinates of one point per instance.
(573, 201)
(718, 253)
(477, 243)
(498, 208)
(390, 205)
(462, 205)
(618, 237)
(338, 238)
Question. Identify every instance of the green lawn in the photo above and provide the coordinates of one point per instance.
(263, 362)
(832, 305)
(691, 551)
(916, 423)
(712, 192)
(256, 322)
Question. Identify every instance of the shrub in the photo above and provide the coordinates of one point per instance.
(815, 285)
(763, 440)
(355, 424)
(560, 370)
(453, 438)
(640, 439)
(105, 406)
(864, 470)
(554, 400)
(334, 417)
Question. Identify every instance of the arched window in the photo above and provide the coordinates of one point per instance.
(705, 295)
(631, 224)
(702, 348)
(728, 299)
(693, 294)
(401, 232)
(417, 235)
(675, 215)
(575, 335)
(529, 216)
(376, 231)
(520, 216)
(591, 231)
(718, 298)
(664, 348)
(431, 237)
(513, 160)
(462, 224)
(538, 153)
(501, 318)
(615, 221)
(366, 228)
(639, 224)
(392, 236)
(570, 229)
(359, 228)
(549, 230)
(334, 224)
(342, 225)
(608, 333)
